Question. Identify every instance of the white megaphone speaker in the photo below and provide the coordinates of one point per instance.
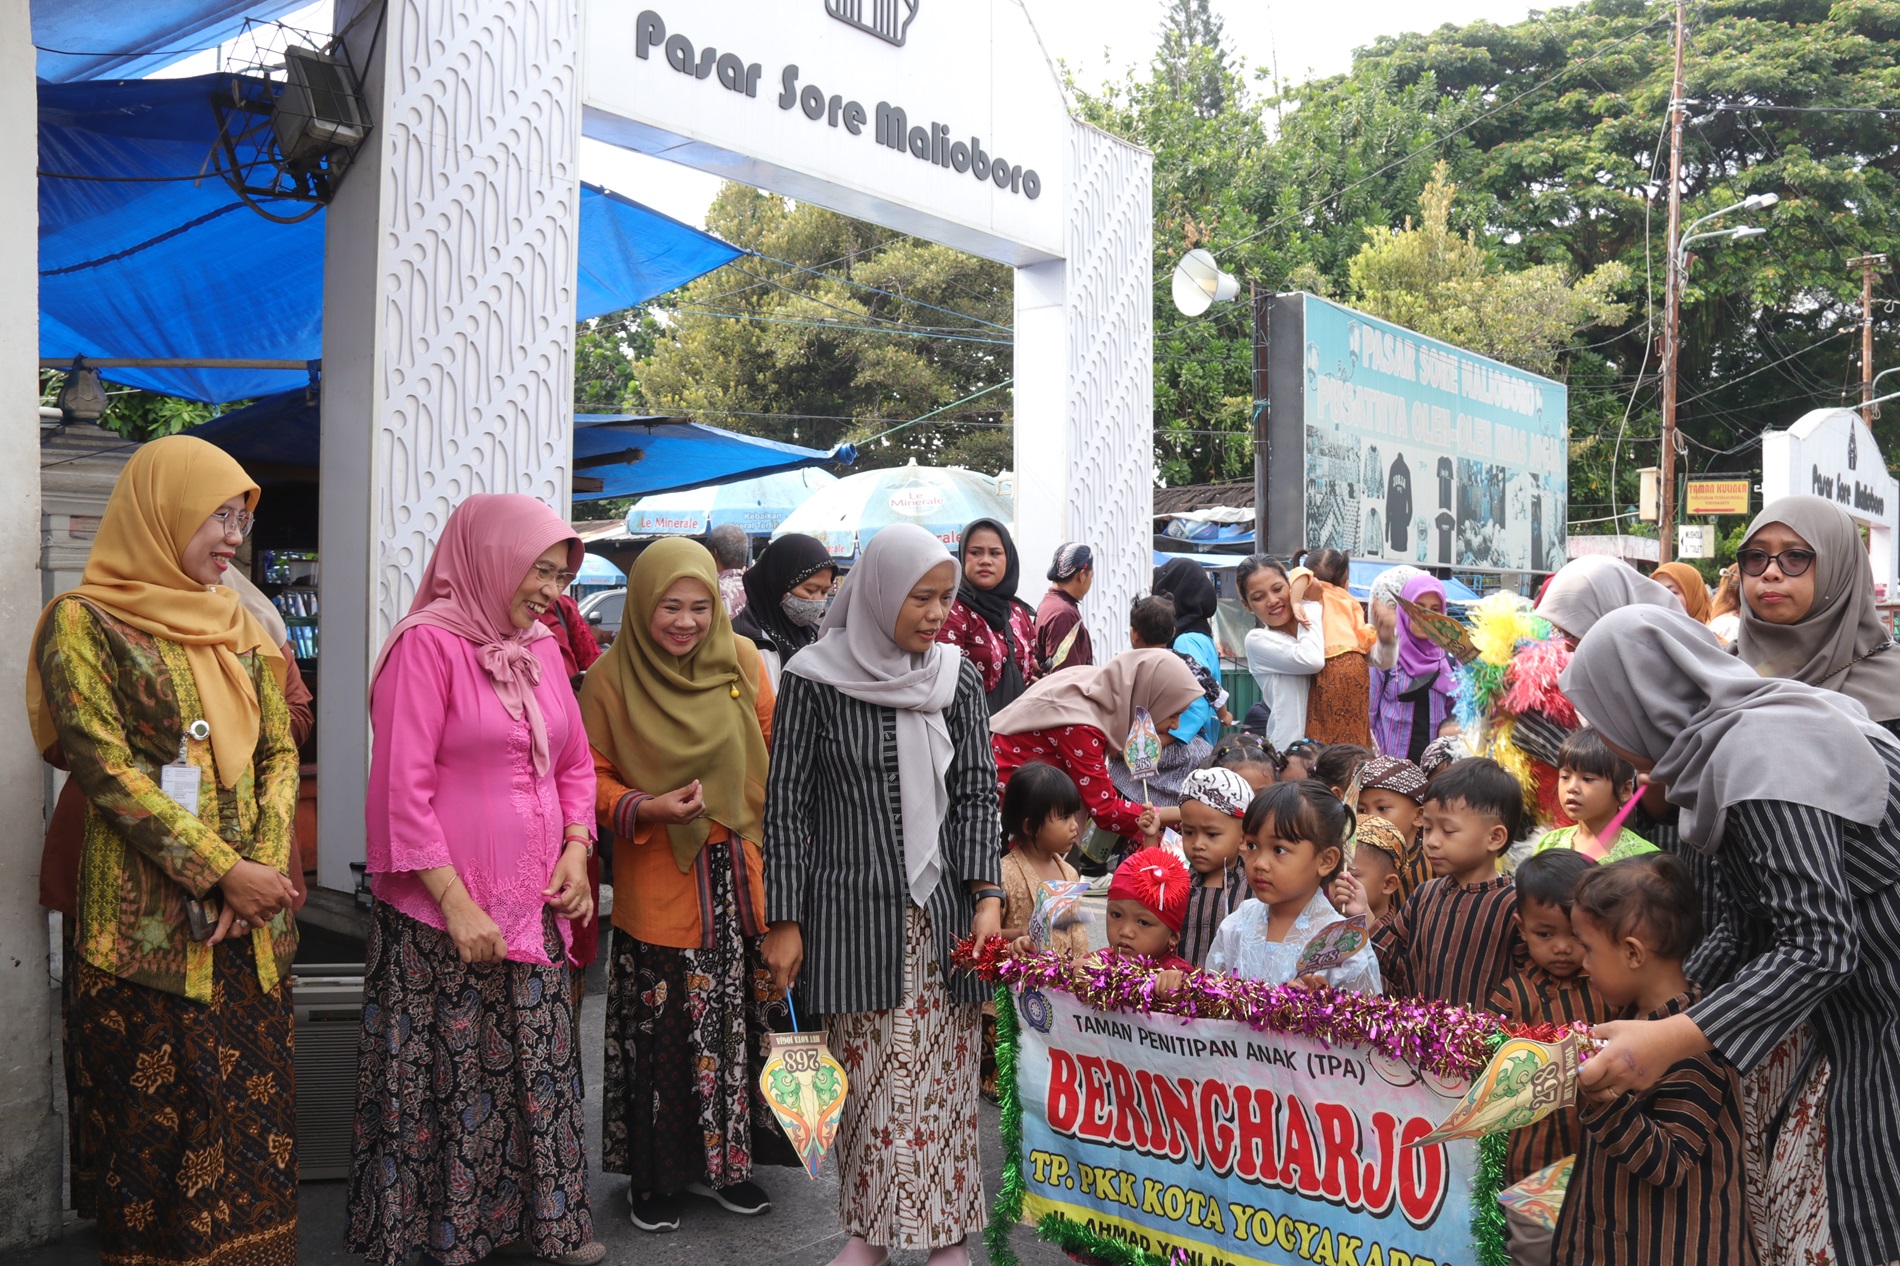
(1199, 283)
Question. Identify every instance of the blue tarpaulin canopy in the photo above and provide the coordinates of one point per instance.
(145, 251)
(281, 432)
(679, 454)
(90, 39)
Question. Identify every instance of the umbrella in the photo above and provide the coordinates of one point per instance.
(757, 505)
(596, 570)
(846, 515)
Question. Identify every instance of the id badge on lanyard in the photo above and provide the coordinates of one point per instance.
(182, 780)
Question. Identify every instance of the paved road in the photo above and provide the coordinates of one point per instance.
(801, 1230)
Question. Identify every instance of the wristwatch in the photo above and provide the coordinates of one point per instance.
(578, 839)
(987, 894)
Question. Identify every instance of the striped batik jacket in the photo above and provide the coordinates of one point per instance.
(834, 855)
(1453, 942)
(1658, 1179)
(1807, 930)
(1532, 995)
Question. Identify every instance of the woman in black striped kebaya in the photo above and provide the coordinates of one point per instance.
(1794, 797)
(881, 834)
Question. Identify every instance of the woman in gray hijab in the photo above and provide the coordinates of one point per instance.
(1586, 589)
(1808, 606)
(882, 847)
(1792, 797)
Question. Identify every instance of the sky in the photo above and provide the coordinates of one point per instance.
(1099, 40)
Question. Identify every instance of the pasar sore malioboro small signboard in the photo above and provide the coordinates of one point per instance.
(1236, 1146)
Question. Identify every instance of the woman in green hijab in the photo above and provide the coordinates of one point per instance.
(679, 712)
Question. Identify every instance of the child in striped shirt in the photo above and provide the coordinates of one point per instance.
(1549, 989)
(1658, 1178)
(1213, 805)
(1455, 940)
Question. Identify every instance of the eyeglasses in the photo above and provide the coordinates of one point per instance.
(546, 575)
(241, 521)
(1792, 562)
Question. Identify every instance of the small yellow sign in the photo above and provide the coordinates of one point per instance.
(1718, 496)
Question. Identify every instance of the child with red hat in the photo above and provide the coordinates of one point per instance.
(1147, 903)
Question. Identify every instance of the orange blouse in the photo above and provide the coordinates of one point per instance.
(653, 901)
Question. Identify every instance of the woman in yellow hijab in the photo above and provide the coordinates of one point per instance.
(164, 698)
(679, 712)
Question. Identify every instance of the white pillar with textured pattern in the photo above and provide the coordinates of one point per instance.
(1084, 366)
(449, 325)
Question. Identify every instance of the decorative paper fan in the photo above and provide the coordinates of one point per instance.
(1442, 630)
(1525, 1082)
(805, 1086)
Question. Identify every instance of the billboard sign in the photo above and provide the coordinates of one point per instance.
(1397, 447)
(1718, 496)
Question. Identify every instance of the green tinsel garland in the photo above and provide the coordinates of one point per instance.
(1008, 1210)
(1072, 1236)
(1487, 1215)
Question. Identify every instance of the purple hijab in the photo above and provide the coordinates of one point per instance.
(1420, 656)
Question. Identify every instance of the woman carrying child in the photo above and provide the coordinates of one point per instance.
(1075, 718)
(1337, 707)
(1794, 796)
(1295, 847)
(1286, 651)
(881, 829)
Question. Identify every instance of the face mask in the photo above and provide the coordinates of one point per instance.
(804, 612)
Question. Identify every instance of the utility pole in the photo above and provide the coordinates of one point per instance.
(1672, 305)
(1868, 265)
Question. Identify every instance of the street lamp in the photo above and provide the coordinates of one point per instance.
(1678, 264)
(1875, 386)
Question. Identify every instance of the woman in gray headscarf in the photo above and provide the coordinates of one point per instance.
(1792, 796)
(1808, 606)
(1586, 589)
(882, 837)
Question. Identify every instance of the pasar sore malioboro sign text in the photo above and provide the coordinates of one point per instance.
(889, 124)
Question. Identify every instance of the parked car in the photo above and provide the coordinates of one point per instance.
(602, 613)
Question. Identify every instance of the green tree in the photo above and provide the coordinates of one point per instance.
(838, 330)
(1193, 49)
(1430, 279)
(1553, 130)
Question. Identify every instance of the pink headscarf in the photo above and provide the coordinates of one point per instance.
(1419, 656)
(487, 546)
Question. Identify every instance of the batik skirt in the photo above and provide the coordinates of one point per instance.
(1338, 705)
(469, 1133)
(1785, 1096)
(909, 1177)
(686, 1042)
(188, 1114)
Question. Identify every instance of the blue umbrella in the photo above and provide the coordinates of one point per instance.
(596, 570)
(846, 515)
(757, 505)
